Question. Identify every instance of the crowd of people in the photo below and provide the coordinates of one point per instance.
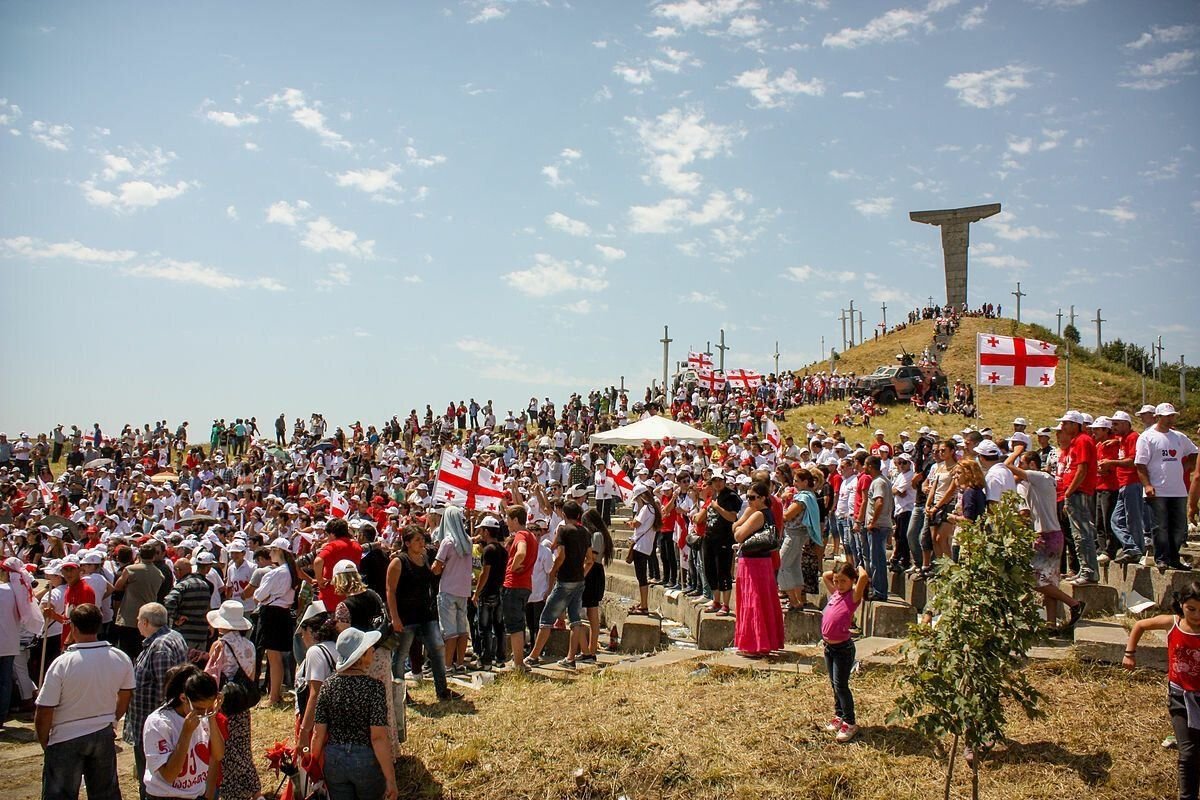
(173, 588)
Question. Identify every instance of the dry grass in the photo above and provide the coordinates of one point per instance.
(725, 734)
(1096, 386)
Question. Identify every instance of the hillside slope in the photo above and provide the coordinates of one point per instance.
(1097, 386)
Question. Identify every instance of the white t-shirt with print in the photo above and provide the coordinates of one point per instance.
(1162, 455)
(159, 739)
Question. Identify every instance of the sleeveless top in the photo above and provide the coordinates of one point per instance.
(1183, 658)
(416, 591)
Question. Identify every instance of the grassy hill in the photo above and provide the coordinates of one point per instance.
(1097, 386)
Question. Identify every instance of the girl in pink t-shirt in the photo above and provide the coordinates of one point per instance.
(846, 589)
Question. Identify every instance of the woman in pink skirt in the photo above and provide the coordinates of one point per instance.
(759, 627)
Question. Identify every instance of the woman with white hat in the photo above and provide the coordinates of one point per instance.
(276, 596)
(351, 724)
(231, 661)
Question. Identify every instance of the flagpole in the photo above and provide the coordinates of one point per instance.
(1068, 408)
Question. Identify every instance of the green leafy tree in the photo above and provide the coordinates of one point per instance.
(1071, 334)
(969, 664)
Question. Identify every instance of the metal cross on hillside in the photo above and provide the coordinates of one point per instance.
(1099, 338)
(666, 343)
(722, 347)
(955, 224)
(1019, 294)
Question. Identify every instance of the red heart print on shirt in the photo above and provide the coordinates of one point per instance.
(1172, 452)
(202, 751)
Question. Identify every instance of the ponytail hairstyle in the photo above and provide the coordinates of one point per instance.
(649, 499)
(290, 560)
(191, 682)
(1190, 591)
(593, 521)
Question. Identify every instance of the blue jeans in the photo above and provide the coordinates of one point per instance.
(1170, 527)
(491, 631)
(563, 597)
(1127, 519)
(430, 634)
(916, 524)
(352, 772)
(839, 659)
(6, 683)
(877, 561)
(1081, 512)
(91, 759)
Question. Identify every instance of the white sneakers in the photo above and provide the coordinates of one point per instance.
(846, 734)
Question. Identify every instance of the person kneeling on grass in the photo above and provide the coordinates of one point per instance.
(1183, 679)
(846, 590)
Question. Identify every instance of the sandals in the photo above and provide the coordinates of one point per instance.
(638, 611)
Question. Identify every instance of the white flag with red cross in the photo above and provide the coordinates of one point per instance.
(44, 491)
(700, 361)
(1015, 361)
(339, 506)
(462, 482)
(743, 379)
(772, 434)
(617, 475)
(710, 380)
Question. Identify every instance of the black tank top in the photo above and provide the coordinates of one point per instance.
(416, 591)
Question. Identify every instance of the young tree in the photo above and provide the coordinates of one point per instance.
(971, 661)
(1071, 334)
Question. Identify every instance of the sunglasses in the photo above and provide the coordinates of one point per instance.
(754, 497)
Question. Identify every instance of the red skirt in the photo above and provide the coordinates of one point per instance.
(759, 625)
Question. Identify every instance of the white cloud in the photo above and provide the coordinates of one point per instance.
(485, 350)
(28, 247)
(843, 175)
(251, 146)
(1196, 206)
(54, 137)
(307, 115)
(583, 306)
(230, 119)
(553, 172)
(663, 32)
(777, 92)
(321, 235)
(489, 14)
(1003, 262)
(677, 139)
(990, 88)
(804, 273)
(553, 177)
(133, 195)
(1020, 146)
(1162, 171)
(1051, 141)
(9, 113)
(703, 13)
(1161, 72)
(854, 95)
(662, 217)
(570, 154)
(609, 253)
(572, 227)
(874, 206)
(379, 183)
(747, 27)
(550, 276)
(338, 275)
(704, 299)
(231, 212)
(898, 23)
(1060, 4)
(417, 160)
(799, 274)
(284, 213)
(413, 279)
(973, 18)
(1163, 34)
(1004, 225)
(193, 272)
(636, 75)
(1120, 212)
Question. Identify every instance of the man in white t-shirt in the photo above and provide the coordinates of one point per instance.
(997, 478)
(237, 575)
(1165, 458)
(85, 691)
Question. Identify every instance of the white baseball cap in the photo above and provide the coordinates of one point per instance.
(1146, 409)
(1120, 416)
(1164, 410)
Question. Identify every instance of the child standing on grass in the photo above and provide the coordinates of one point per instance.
(1183, 679)
(846, 589)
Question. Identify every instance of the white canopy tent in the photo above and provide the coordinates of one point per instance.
(653, 429)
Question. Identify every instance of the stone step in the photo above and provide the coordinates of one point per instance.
(1104, 642)
(888, 618)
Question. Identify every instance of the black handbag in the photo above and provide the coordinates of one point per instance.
(239, 693)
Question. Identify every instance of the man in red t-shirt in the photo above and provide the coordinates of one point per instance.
(78, 593)
(341, 547)
(518, 582)
(1127, 517)
(1107, 448)
(1078, 482)
(880, 447)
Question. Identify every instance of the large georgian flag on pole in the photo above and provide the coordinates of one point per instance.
(1014, 361)
(618, 477)
(699, 360)
(462, 482)
(773, 436)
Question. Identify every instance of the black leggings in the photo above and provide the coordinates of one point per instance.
(668, 553)
(1188, 740)
(901, 554)
(641, 567)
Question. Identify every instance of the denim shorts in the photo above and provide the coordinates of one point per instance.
(452, 613)
(512, 608)
(564, 597)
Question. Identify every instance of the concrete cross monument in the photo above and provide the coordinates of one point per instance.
(955, 224)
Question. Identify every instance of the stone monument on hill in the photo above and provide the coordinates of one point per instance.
(955, 224)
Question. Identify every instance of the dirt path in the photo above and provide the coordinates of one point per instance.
(21, 764)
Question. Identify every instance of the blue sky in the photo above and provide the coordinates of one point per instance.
(230, 209)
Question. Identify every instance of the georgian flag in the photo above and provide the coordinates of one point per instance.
(711, 380)
(617, 475)
(339, 506)
(1015, 361)
(744, 378)
(773, 436)
(44, 491)
(462, 482)
(699, 361)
